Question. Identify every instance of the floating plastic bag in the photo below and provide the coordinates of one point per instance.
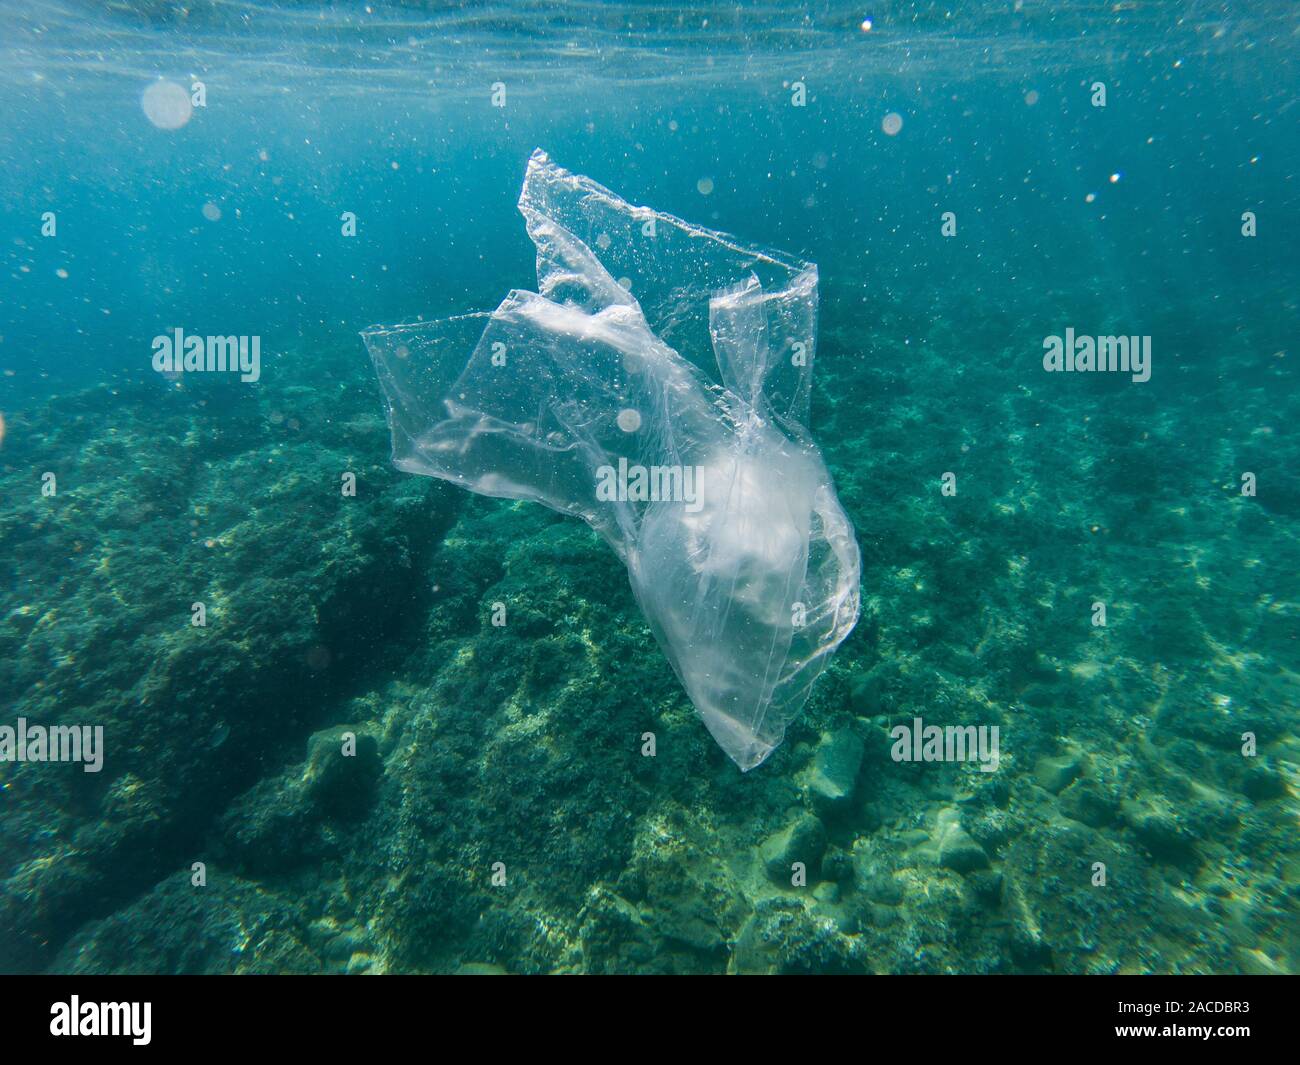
(655, 386)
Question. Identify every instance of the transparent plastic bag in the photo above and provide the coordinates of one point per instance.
(655, 386)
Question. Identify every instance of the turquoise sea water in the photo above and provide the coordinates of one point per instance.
(970, 179)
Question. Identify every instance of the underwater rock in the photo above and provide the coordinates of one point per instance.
(612, 934)
(343, 765)
(272, 828)
(228, 926)
(783, 937)
(987, 885)
(827, 893)
(1158, 828)
(833, 776)
(656, 386)
(286, 820)
(803, 841)
(837, 865)
(1089, 803)
(884, 890)
(752, 954)
(1056, 774)
(1262, 783)
(1030, 951)
(959, 852)
(179, 503)
(957, 849)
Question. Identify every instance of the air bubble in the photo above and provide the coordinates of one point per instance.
(167, 105)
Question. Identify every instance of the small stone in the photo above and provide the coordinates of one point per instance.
(1160, 832)
(752, 955)
(803, 841)
(833, 777)
(884, 890)
(827, 892)
(957, 850)
(837, 865)
(1029, 949)
(1262, 783)
(987, 885)
(341, 771)
(1085, 801)
(343, 946)
(1057, 774)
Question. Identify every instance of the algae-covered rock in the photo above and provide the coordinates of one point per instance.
(1091, 803)
(956, 848)
(804, 840)
(289, 820)
(832, 779)
(1056, 774)
(228, 926)
(613, 936)
(1161, 831)
(960, 852)
(1263, 783)
(783, 937)
(753, 953)
(179, 513)
(343, 766)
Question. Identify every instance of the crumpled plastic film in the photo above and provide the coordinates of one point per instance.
(656, 386)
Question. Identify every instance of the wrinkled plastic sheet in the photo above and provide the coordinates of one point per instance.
(655, 385)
